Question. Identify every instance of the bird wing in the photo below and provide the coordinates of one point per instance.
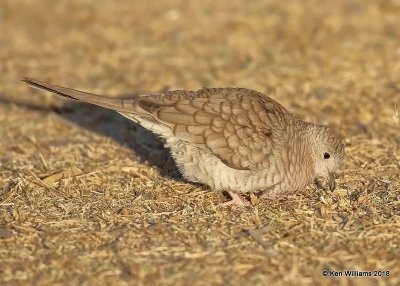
(239, 126)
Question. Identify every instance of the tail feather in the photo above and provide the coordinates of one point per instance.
(120, 105)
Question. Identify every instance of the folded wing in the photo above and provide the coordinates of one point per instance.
(237, 125)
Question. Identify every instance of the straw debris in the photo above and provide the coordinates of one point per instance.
(87, 197)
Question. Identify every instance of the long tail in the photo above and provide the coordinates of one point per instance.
(111, 103)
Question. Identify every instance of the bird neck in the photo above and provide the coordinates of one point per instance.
(305, 130)
(308, 134)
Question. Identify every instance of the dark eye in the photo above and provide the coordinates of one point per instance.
(327, 155)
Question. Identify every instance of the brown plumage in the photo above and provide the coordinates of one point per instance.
(231, 139)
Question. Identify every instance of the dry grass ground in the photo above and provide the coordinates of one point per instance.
(86, 197)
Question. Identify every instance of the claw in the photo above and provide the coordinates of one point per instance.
(236, 200)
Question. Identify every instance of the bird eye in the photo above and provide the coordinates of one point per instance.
(327, 155)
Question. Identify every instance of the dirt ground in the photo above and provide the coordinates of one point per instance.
(87, 197)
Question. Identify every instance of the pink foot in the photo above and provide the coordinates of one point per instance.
(236, 200)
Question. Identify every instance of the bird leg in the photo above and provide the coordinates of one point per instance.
(236, 200)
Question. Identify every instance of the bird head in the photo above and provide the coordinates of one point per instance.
(328, 152)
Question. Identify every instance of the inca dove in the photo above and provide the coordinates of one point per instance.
(230, 139)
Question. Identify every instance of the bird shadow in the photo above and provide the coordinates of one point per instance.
(147, 146)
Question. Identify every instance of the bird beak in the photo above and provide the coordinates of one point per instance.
(332, 183)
